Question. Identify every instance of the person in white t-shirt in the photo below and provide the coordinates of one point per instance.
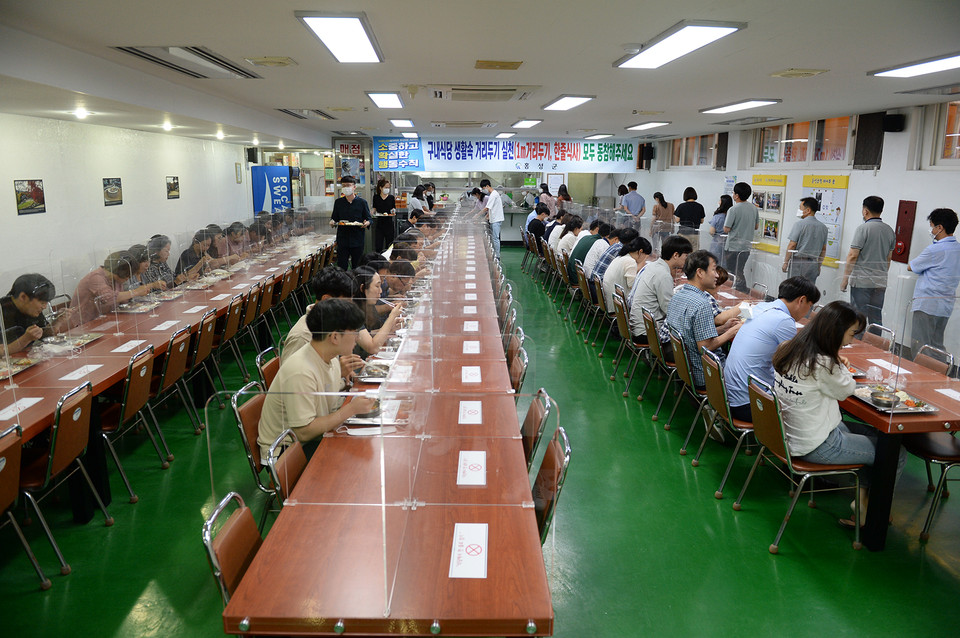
(493, 209)
(623, 269)
(568, 238)
(811, 378)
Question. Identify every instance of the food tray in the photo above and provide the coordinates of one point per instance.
(17, 366)
(165, 295)
(374, 372)
(349, 223)
(196, 285)
(137, 307)
(857, 372)
(72, 341)
(863, 394)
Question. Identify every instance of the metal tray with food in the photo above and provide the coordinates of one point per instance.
(888, 400)
(349, 223)
(17, 365)
(165, 295)
(137, 307)
(374, 372)
(72, 340)
(857, 372)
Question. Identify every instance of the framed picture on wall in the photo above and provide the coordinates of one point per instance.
(29, 194)
(173, 187)
(239, 169)
(112, 191)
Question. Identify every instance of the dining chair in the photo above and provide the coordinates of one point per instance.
(934, 359)
(879, 337)
(202, 347)
(247, 414)
(608, 317)
(518, 371)
(768, 428)
(234, 547)
(943, 449)
(268, 363)
(285, 462)
(626, 342)
(509, 327)
(658, 363)
(228, 327)
(687, 386)
(11, 448)
(514, 343)
(590, 308)
(549, 482)
(534, 423)
(759, 291)
(170, 380)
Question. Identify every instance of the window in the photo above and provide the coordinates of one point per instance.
(699, 150)
(832, 135)
(950, 143)
(769, 141)
(794, 146)
(792, 143)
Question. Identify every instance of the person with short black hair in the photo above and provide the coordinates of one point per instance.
(258, 235)
(158, 248)
(351, 215)
(237, 243)
(691, 313)
(493, 209)
(938, 275)
(400, 277)
(536, 228)
(141, 261)
(807, 242)
(633, 202)
(410, 223)
(771, 323)
(568, 238)
(324, 366)
(625, 236)
(194, 260)
(598, 231)
(868, 261)
(622, 270)
(102, 290)
(597, 250)
(689, 215)
(654, 288)
(22, 307)
(741, 223)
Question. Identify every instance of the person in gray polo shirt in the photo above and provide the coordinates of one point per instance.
(868, 261)
(808, 243)
(739, 226)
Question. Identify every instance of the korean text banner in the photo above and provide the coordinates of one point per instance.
(271, 188)
(505, 155)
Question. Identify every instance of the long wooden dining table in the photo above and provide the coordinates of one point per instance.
(383, 534)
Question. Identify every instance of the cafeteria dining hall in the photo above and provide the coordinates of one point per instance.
(516, 318)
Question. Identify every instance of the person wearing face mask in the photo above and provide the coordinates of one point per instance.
(429, 192)
(351, 215)
(868, 262)
(807, 242)
(493, 209)
(384, 230)
(938, 275)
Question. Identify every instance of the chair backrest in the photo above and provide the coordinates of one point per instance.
(623, 326)
(266, 296)
(231, 322)
(514, 344)
(716, 384)
(287, 282)
(549, 481)
(203, 342)
(767, 422)
(508, 327)
(601, 300)
(234, 547)
(563, 265)
(11, 444)
(533, 424)
(268, 362)
(879, 337)
(175, 361)
(250, 307)
(136, 388)
(582, 280)
(71, 429)
(518, 370)
(285, 471)
(680, 357)
(759, 291)
(304, 268)
(934, 359)
(653, 336)
(247, 415)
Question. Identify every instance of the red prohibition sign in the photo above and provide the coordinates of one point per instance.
(473, 550)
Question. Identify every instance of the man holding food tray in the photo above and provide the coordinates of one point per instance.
(351, 216)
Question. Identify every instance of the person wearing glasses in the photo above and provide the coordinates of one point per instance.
(23, 320)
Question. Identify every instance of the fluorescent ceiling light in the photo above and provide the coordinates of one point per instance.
(646, 125)
(599, 136)
(677, 41)
(922, 67)
(347, 37)
(409, 135)
(503, 136)
(739, 106)
(402, 123)
(525, 123)
(567, 102)
(386, 100)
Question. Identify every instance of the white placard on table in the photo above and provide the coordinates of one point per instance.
(257, 277)
(470, 286)
(240, 287)
(470, 374)
(471, 347)
(471, 326)
(194, 310)
(726, 295)
(469, 310)
(468, 556)
(470, 276)
(411, 345)
(471, 413)
(417, 326)
(220, 297)
(470, 296)
(13, 410)
(472, 468)
(284, 263)
(128, 346)
(81, 372)
(104, 326)
(271, 270)
(401, 373)
(888, 366)
(166, 325)
(947, 392)
(471, 262)
(471, 269)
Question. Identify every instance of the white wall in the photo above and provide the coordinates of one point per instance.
(893, 182)
(77, 231)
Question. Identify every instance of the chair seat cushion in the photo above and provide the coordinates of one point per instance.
(806, 466)
(110, 417)
(33, 468)
(933, 446)
(742, 425)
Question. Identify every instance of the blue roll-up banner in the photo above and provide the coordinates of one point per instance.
(271, 188)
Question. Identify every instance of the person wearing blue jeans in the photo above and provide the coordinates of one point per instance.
(811, 378)
(493, 209)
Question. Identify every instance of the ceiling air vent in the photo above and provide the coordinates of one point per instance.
(744, 121)
(463, 124)
(795, 74)
(196, 62)
(272, 61)
(305, 114)
(498, 65)
(482, 93)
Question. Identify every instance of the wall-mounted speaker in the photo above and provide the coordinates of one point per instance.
(894, 123)
(252, 155)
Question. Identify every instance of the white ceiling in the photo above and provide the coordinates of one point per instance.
(566, 48)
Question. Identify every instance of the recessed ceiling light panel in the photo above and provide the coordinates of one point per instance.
(567, 102)
(348, 37)
(409, 135)
(386, 100)
(742, 105)
(677, 41)
(503, 136)
(525, 123)
(402, 123)
(921, 67)
(646, 125)
(599, 136)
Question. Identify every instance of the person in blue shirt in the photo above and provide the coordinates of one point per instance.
(772, 323)
(633, 201)
(938, 271)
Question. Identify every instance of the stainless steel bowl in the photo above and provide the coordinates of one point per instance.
(884, 399)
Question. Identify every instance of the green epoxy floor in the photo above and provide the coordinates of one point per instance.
(641, 546)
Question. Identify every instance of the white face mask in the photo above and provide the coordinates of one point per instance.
(385, 191)
(347, 191)
(799, 212)
(934, 233)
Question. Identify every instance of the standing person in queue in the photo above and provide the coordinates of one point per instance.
(717, 223)
(563, 195)
(807, 243)
(384, 229)
(741, 223)
(353, 212)
(633, 203)
(663, 213)
(938, 270)
(548, 199)
(493, 209)
(690, 215)
(868, 261)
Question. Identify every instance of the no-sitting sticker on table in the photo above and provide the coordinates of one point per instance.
(472, 468)
(471, 413)
(468, 557)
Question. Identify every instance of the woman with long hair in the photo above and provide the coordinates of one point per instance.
(548, 199)
(811, 379)
(563, 195)
(663, 212)
(385, 207)
(571, 230)
(716, 226)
